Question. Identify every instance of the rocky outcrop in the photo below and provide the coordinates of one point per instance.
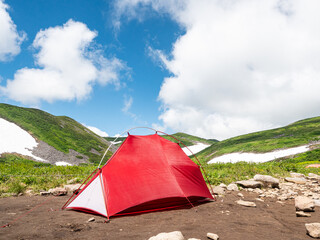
(52, 155)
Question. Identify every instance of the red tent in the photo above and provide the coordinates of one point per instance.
(146, 173)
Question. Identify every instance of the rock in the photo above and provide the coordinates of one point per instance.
(313, 229)
(44, 193)
(58, 191)
(223, 185)
(240, 195)
(296, 180)
(176, 235)
(232, 187)
(194, 239)
(302, 214)
(282, 198)
(249, 184)
(91, 219)
(313, 176)
(212, 236)
(303, 203)
(316, 203)
(267, 180)
(297, 175)
(246, 203)
(71, 188)
(217, 190)
(29, 192)
(258, 190)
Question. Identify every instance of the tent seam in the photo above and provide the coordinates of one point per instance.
(174, 176)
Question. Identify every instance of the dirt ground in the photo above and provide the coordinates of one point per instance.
(39, 217)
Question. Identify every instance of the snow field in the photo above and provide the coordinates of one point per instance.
(14, 139)
(195, 148)
(258, 157)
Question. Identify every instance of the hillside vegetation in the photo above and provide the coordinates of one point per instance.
(186, 139)
(296, 134)
(62, 133)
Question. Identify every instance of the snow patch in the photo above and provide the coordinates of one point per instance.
(63, 164)
(259, 157)
(195, 148)
(14, 139)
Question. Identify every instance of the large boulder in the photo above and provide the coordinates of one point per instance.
(249, 184)
(303, 203)
(313, 229)
(176, 235)
(267, 180)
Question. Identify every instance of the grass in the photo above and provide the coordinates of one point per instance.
(231, 172)
(18, 174)
(296, 134)
(62, 133)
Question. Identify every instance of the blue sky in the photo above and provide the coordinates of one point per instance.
(140, 81)
(210, 68)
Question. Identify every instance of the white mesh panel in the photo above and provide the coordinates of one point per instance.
(91, 198)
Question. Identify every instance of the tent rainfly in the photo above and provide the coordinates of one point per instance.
(147, 173)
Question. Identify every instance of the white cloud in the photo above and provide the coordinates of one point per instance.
(128, 101)
(69, 64)
(241, 66)
(97, 131)
(10, 38)
(127, 104)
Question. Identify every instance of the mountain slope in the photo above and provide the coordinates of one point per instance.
(186, 139)
(296, 134)
(62, 133)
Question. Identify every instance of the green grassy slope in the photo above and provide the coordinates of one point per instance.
(188, 139)
(296, 134)
(62, 133)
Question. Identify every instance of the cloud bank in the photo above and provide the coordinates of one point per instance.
(241, 66)
(97, 131)
(68, 64)
(10, 38)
